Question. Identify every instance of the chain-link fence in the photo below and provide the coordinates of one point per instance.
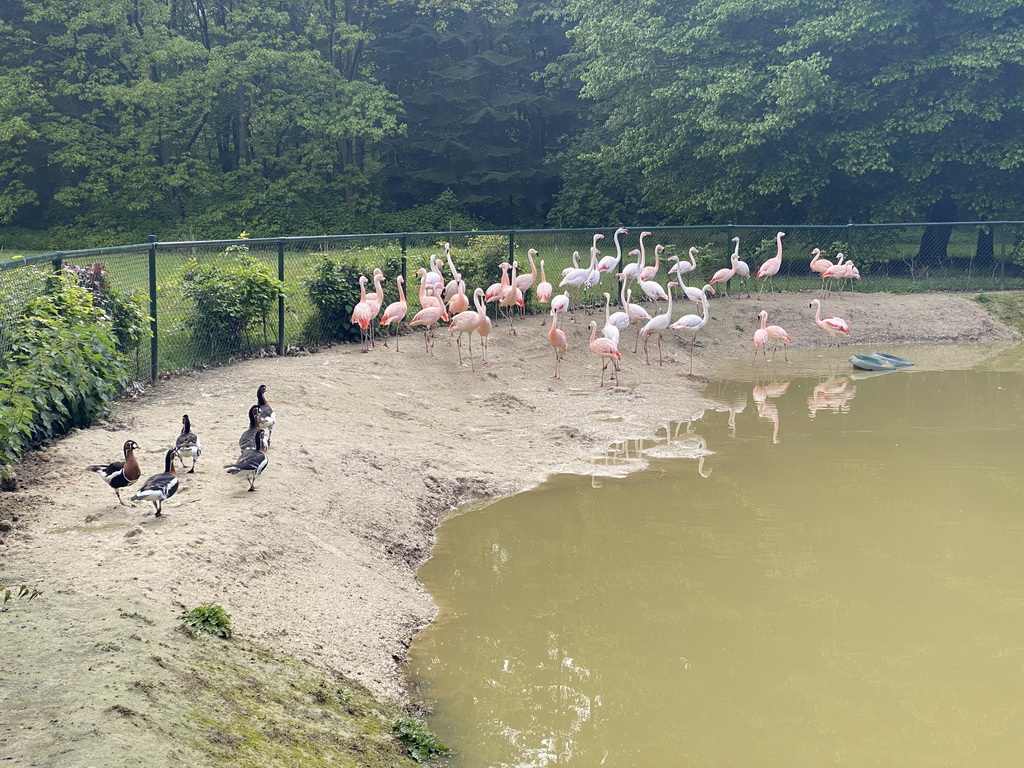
(211, 301)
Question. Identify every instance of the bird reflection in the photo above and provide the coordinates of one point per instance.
(737, 405)
(833, 395)
(762, 395)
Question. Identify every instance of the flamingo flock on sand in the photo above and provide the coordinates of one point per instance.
(465, 310)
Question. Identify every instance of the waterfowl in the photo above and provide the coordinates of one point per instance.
(187, 444)
(266, 417)
(120, 474)
(247, 442)
(160, 487)
(252, 463)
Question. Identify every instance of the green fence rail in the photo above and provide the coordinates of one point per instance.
(319, 274)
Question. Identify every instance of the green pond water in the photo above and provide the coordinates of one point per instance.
(840, 581)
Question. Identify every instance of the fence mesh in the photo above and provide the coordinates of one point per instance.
(218, 300)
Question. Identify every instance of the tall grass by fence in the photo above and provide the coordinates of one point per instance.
(319, 274)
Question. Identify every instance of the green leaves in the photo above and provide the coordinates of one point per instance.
(209, 617)
(423, 745)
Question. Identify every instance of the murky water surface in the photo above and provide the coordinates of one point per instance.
(840, 581)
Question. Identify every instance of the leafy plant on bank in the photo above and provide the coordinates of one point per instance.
(127, 314)
(230, 301)
(22, 591)
(209, 617)
(334, 291)
(62, 368)
(422, 743)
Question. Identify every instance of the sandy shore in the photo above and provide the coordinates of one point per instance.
(368, 453)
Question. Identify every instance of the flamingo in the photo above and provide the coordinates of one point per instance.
(684, 267)
(609, 263)
(653, 290)
(511, 297)
(650, 272)
(396, 311)
(611, 330)
(832, 271)
(376, 301)
(557, 339)
(433, 277)
(770, 268)
(464, 322)
(453, 285)
(635, 312)
(362, 316)
(693, 323)
(484, 329)
(495, 290)
(835, 327)
(574, 277)
(777, 333)
(428, 318)
(725, 274)
(459, 301)
(544, 288)
(606, 350)
(690, 292)
(741, 267)
(657, 324)
(761, 338)
(525, 281)
(819, 264)
(631, 271)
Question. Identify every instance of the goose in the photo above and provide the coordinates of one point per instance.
(159, 487)
(252, 463)
(247, 442)
(187, 444)
(120, 474)
(266, 418)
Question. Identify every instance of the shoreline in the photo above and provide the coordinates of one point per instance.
(368, 454)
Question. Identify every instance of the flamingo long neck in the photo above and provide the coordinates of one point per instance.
(814, 256)
(607, 307)
(533, 266)
(736, 252)
(401, 292)
(362, 288)
(642, 261)
(543, 277)
(778, 242)
(693, 256)
(618, 245)
(764, 318)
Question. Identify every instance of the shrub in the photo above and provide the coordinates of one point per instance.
(229, 301)
(62, 369)
(422, 744)
(209, 617)
(127, 314)
(334, 291)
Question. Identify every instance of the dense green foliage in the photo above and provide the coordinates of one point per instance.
(334, 291)
(62, 368)
(121, 119)
(422, 743)
(231, 303)
(209, 617)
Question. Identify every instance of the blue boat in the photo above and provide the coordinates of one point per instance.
(878, 361)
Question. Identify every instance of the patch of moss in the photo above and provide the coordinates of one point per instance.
(1006, 306)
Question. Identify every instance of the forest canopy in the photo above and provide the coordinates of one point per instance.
(190, 118)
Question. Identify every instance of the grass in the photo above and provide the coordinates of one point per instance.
(1005, 306)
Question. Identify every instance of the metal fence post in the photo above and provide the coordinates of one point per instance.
(405, 256)
(1002, 257)
(511, 246)
(153, 343)
(280, 299)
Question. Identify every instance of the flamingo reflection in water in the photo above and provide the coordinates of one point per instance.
(832, 395)
(763, 395)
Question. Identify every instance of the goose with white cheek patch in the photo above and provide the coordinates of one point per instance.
(267, 419)
(187, 444)
(247, 442)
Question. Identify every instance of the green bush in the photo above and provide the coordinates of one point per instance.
(422, 744)
(62, 368)
(209, 617)
(334, 291)
(127, 314)
(230, 302)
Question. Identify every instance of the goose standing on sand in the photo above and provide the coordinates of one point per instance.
(266, 418)
(251, 463)
(120, 474)
(247, 442)
(160, 487)
(187, 444)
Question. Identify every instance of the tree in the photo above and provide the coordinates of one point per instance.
(816, 112)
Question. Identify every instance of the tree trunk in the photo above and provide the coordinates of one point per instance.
(984, 252)
(935, 238)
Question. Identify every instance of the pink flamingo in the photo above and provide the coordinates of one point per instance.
(495, 290)
(693, 323)
(558, 340)
(544, 288)
(484, 329)
(631, 271)
(614, 323)
(741, 267)
(464, 322)
(375, 300)
(609, 263)
(657, 324)
(459, 301)
(690, 292)
(835, 327)
(725, 274)
(635, 312)
(606, 350)
(511, 297)
(684, 267)
(777, 333)
(772, 266)
(362, 316)
(649, 272)
(761, 338)
(525, 281)
(396, 311)
(428, 317)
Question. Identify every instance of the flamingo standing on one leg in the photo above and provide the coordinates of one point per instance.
(835, 327)
(558, 340)
(693, 323)
(606, 350)
(427, 318)
(396, 311)
(770, 268)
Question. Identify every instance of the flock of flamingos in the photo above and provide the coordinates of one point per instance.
(449, 302)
